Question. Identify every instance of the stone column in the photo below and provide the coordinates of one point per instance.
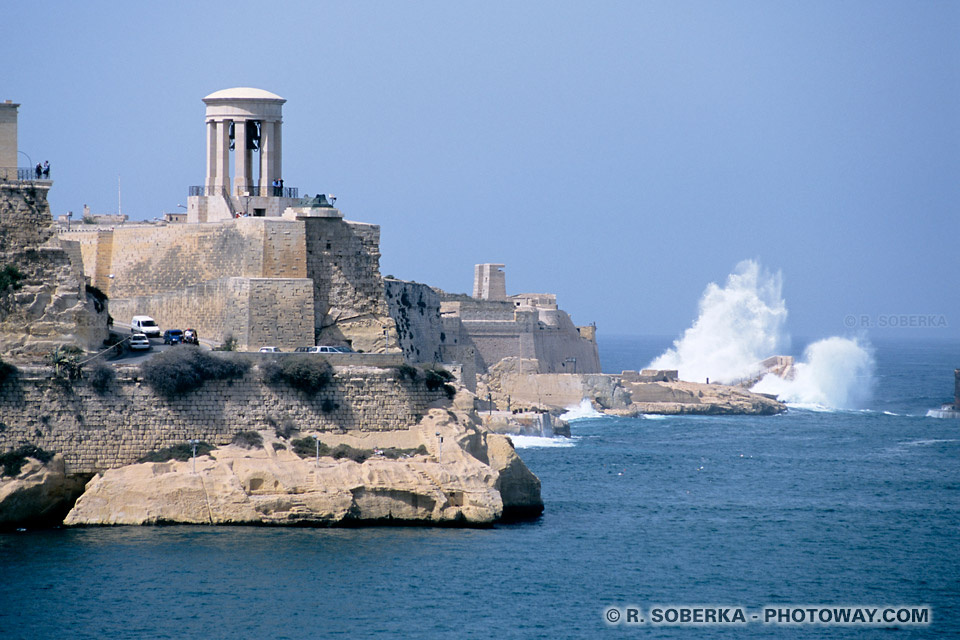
(276, 151)
(241, 158)
(211, 154)
(266, 158)
(222, 178)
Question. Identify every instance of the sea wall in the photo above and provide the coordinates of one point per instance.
(97, 431)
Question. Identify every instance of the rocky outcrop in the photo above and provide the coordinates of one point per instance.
(679, 397)
(40, 495)
(47, 305)
(471, 477)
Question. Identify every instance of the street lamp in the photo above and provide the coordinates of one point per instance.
(439, 448)
(194, 443)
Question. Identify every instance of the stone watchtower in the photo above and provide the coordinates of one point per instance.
(489, 282)
(8, 140)
(247, 122)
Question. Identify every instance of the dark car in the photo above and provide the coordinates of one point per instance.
(190, 336)
(173, 336)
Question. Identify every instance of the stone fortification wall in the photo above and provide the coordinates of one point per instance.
(518, 379)
(257, 312)
(49, 305)
(95, 432)
(151, 259)
(343, 260)
(415, 308)
(498, 330)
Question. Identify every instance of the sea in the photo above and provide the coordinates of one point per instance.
(815, 509)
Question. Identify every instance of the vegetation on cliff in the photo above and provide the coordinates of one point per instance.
(307, 448)
(10, 276)
(308, 373)
(179, 371)
(11, 462)
(181, 452)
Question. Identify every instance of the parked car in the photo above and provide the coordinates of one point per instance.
(145, 325)
(190, 337)
(324, 349)
(139, 342)
(173, 336)
(269, 349)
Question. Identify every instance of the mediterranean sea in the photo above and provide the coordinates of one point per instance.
(809, 508)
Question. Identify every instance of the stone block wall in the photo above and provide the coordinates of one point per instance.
(257, 312)
(96, 431)
(151, 259)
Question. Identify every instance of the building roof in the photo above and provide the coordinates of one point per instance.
(242, 93)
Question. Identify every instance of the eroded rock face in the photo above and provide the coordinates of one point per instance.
(40, 495)
(275, 486)
(48, 306)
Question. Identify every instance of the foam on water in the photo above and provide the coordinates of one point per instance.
(581, 411)
(742, 323)
(529, 442)
(835, 373)
(739, 325)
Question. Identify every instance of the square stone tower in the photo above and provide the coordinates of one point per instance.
(8, 140)
(489, 282)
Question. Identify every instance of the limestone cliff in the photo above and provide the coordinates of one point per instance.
(477, 478)
(45, 304)
(40, 494)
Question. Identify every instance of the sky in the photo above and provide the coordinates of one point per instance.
(622, 155)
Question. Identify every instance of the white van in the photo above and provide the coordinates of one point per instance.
(145, 325)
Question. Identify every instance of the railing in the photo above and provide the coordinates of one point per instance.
(261, 190)
(31, 173)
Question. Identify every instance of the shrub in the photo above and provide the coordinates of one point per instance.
(346, 451)
(181, 452)
(229, 344)
(11, 462)
(407, 372)
(283, 428)
(435, 376)
(101, 376)
(393, 453)
(307, 447)
(278, 446)
(248, 440)
(66, 362)
(178, 371)
(10, 276)
(6, 370)
(308, 373)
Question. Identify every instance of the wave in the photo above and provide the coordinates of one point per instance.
(581, 411)
(835, 373)
(529, 442)
(743, 322)
(739, 325)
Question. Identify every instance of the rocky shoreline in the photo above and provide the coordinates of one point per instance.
(477, 479)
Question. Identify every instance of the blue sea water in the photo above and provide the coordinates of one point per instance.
(806, 508)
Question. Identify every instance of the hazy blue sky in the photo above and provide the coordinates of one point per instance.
(621, 155)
